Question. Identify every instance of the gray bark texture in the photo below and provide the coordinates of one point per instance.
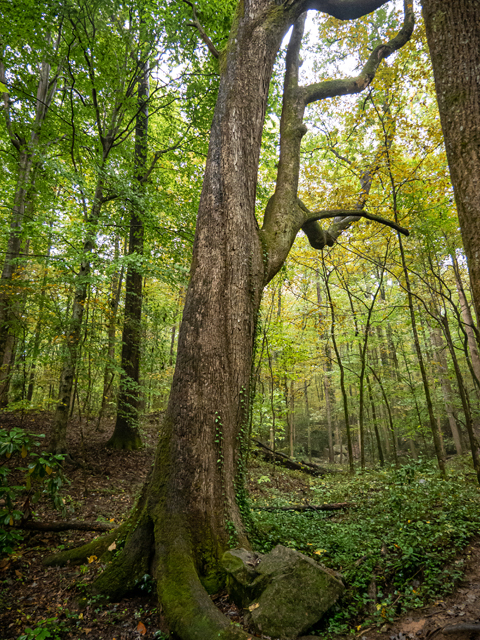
(453, 34)
(193, 506)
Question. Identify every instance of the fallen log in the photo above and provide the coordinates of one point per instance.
(31, 525)
(466, 627)
(334, 506)
(280, 458)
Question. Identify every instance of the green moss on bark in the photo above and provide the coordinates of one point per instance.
(79, 555)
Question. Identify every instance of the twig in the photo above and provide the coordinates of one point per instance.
(196, 23)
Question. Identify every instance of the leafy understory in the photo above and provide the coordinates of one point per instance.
(397, 546)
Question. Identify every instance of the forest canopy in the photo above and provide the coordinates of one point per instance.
(231, 227)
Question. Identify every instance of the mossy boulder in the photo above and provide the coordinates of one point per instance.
(286, 591)
(243, 583)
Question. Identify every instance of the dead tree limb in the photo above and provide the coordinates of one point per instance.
(334, 506)
(31, 525)
(283, 460)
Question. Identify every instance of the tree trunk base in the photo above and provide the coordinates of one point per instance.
(151, 543)
(125, 442)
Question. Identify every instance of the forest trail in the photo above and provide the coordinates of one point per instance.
(462, 607)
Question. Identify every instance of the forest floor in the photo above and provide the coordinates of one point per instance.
(43, 603)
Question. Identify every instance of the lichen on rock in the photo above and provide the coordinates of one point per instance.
(283, 592)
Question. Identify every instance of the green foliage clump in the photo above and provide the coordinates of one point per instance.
(41, 475)
(396, 545)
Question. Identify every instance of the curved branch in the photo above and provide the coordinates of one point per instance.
(348, 86)
(203, 34)
(354, 215)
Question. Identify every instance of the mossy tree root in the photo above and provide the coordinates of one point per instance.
(188, 609)
(133, 562)
(97, 547)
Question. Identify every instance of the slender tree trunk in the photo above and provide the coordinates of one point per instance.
(390, 419)
(126, 434)
(375, 425)
(307, 417)
(28, 153)
(292, 419)
(272, 400)
(342, 380)
(326, 384)
(442, 368)
(474, 447)
(437, 440)
(38, 329)
(172, 345)
(58, 432)
(109, 371)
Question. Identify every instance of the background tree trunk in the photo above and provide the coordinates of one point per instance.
(126, 434)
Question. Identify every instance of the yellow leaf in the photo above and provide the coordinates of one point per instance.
(24, 451)
(359, 627)
(253, 606)
(8, 454)
(80, 616)
(112, 546)
(11, 522)
(48, 469)
(91, 559)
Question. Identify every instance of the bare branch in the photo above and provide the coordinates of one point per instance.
(196, 23)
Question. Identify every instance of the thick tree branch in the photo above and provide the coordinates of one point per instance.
(196, 23)
(323, 215)
(284, 215)
(344, 9)
(343, 218)
(349, 86)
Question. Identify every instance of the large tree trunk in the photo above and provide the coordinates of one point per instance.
(468, 325)
(453, 34)
(192, 505)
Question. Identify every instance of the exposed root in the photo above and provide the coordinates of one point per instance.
(33, 525)
(134, 561)
(79, 555)
(187, 607)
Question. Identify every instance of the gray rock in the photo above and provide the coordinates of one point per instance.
(286, 591)
(240, 566)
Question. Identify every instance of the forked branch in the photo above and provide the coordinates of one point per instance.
(203, 34)
(347, 86)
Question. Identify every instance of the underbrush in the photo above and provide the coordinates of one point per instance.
(396, 546)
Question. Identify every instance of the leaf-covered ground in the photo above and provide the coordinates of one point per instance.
(406, 541)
